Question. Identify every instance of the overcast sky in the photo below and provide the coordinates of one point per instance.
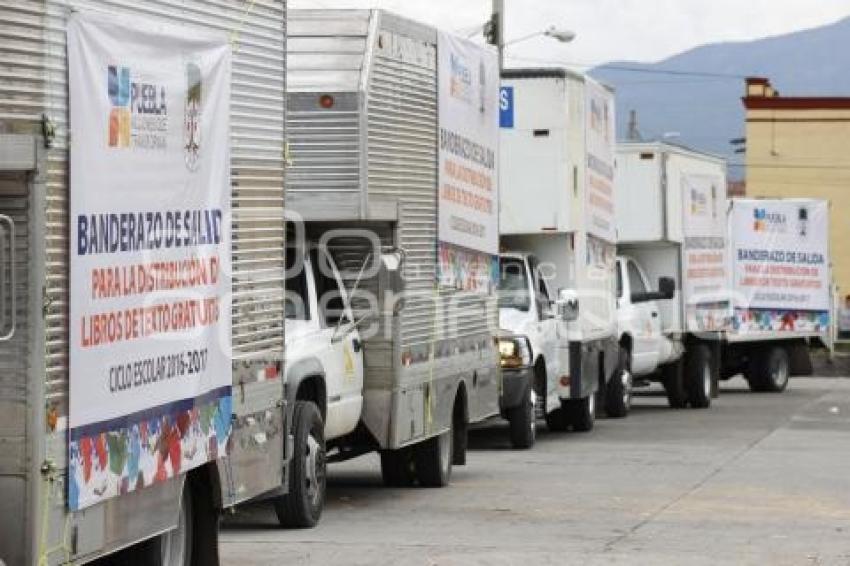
(634, 30)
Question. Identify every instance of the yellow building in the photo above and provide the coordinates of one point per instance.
(799, 147)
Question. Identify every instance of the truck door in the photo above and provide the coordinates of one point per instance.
(344, 360)
(547, 322)
(646, 322)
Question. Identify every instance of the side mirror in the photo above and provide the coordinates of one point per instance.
(667, 288)
(568, 306)
(666, 291)
(391, 274)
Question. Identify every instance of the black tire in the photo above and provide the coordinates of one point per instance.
(301, 508)
(460, 431)
(673, 380)
(618, 397)
(206, 519)
(699, 376)
(397, 468)
(523, 422)
(770, 371)
(172, 548)
(557, 420)
(433, 459)
(581, 413)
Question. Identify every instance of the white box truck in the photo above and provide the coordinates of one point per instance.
(393, 130)
(706, 321)
(671, 219)
(136, 262)
(557, 279)
(782, 292)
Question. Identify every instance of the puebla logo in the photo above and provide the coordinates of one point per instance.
(138, 114)
(766, 221)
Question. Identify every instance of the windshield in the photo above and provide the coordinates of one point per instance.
(513, 285)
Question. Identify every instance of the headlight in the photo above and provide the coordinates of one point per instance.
(515, 352)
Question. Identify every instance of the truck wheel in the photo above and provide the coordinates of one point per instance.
(674, 385)
(557, 421)
(205, 525)
(176, 546)
(302, 507)
(618, 399)
(397, 468)
(193, 542)
(433, 459)
(523, 422)
(699, 372)
(171, 548)
(582, 413)
(460, 431)
(771, 371)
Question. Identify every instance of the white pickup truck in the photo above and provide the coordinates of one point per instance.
(651, 354)
(323, 376)
(557, 236)
(527, 308)
(410, 361)
(672, 229)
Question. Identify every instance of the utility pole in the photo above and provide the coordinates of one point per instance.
(496, 30)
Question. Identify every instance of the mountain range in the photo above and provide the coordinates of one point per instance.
(694, 98)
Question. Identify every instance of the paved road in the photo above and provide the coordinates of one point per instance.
(758, 479)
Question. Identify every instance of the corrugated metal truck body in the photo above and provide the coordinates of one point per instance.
(363, 129)
(34, 195)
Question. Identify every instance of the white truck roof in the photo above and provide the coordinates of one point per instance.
(650, 192)
(546, 148)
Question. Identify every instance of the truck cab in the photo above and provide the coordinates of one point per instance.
(639, 318)
(651, 352)
(528, 308)
(324, 348)
(323, 375)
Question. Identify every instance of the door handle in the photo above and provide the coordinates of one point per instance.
(357, 345)
(655, 315)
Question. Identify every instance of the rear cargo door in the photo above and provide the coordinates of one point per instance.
(17, 380)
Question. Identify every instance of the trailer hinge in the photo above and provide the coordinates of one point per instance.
(48, 131)
(46, 302)
(48, 469)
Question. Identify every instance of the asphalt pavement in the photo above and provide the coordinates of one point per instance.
(758, 479)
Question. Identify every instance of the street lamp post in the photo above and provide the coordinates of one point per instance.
(498, 30)
(495, 32)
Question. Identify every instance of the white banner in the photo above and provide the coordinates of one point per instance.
(468, 159)
(150, 369)
(705, 255)
(600, 147)
(781, 266)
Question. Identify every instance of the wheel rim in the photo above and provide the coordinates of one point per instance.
(175, 543)
(627, 388)
(779, 375)
(446, 451)
(706, 380)
(314, 469)
(591, 406)
(533, 403)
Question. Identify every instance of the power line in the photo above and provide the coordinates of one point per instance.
(626, 68)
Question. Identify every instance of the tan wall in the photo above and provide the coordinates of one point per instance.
(805, 154)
